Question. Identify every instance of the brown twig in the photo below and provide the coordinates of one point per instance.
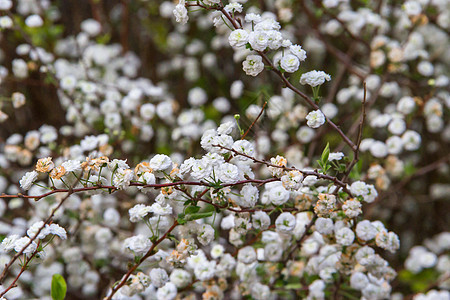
(253, 123)
(358, 141)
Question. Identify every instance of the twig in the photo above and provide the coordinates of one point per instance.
(251, 125)
(358, 141)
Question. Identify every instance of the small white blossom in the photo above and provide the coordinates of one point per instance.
(238, 38)
(315, 119)
(180, 12)
(314, 78)
(27, 180)
(345, 236)
(290, 63)
(138, 244)
(285, 222)
(253, 65)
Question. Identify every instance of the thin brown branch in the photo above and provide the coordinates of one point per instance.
(253, 123)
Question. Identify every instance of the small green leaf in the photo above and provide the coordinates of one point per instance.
(293, 286)
(59, 287)
(326, 153)
(191, 209)
(197, 216)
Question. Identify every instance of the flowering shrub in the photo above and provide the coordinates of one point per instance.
(294, 182)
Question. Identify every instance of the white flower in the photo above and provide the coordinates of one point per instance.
(138, 244)
(147, 178)
(27, 180)
(217, 251)
(315, 119)
(411, 140)
(267, 24)
(31, 232)
(247, 255)
(378, 149)
(55, 229)
(9, 242)
(252, 17)
(206, 234)
(228, 173)
(260, 291)
(305, 134)
(226, 128)
(388, 241)
(249, 196)
(292, 180)
(197, 97)
(201, 169)
(160, 210)
(253, 65)
(258, 40)
(412, 8)
(358, 280)
(180, 278)
(167, 292)
(352, 208)
(285, 222)
(245, 147)
(278, 195)
(103, 235)
(298, 51)
(161, 162)
(5, 4)
(316, 289)
(91, 27)
(147, 111)
(233, 7)
(22, 242)
(314, 78)
(425, 68)
(335, 156)
(324, 225)
(397, 126)
(273, 252)
(138, 212)
(205, 270)
(6, 22)
(159, 277)
(180, 12)
(290, 63)
(238, 38)
(71, 166)
(365, 230)
(260, 220)
(330, 110)
(345, 236)
(406, 105)
(122, 178)
(275, 39)
(34, 21)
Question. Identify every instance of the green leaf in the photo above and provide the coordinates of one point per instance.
(181, 219)
(191, 209)
(59, 287)
(326, 153)
(293, 286)
(197, 216)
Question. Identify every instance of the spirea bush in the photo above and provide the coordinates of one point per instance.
(269, 149)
